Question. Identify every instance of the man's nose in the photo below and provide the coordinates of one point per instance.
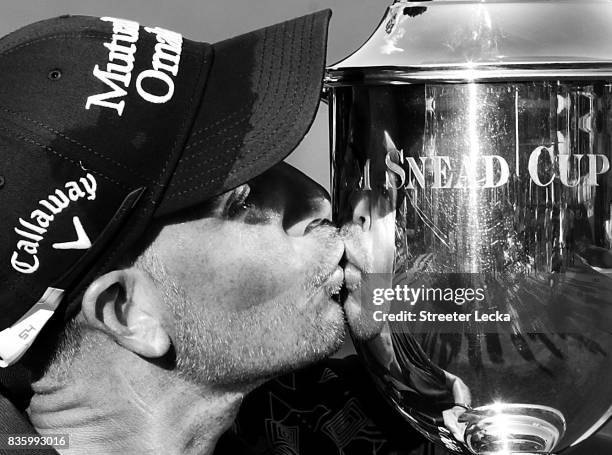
(307, 204)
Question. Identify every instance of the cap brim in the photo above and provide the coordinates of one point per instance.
(260, 99)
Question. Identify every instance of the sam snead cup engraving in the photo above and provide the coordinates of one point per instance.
(478, 136)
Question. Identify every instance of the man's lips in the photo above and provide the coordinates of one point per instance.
(352, 277)
(334, 282)
(346, 275)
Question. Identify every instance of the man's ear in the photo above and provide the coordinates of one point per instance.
(124, 305)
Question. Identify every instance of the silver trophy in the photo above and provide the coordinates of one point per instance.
(471, 148)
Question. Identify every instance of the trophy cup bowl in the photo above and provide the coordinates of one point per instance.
(471, 147)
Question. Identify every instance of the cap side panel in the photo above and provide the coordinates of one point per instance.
(90, 150)
(38, 143)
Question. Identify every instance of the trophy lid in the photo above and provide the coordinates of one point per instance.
(457, 40)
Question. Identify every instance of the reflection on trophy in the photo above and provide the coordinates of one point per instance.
(471, 148)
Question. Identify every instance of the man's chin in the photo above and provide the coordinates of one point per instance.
(325, 340)
(332, 317)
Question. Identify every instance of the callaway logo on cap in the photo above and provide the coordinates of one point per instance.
(105, 124)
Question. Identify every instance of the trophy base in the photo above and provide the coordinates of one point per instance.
(508, 428)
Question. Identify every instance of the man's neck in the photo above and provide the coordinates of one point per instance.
(130, 408)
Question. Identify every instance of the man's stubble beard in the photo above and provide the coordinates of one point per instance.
(249, 346)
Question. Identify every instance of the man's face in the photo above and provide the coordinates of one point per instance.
(250, 281)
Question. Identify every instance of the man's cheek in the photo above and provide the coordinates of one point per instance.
(249, 287)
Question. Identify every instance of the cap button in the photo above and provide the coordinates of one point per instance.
(55, 74)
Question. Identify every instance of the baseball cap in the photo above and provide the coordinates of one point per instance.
(106, 125)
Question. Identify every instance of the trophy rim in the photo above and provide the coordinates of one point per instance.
(409, 75)
(413, 42)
